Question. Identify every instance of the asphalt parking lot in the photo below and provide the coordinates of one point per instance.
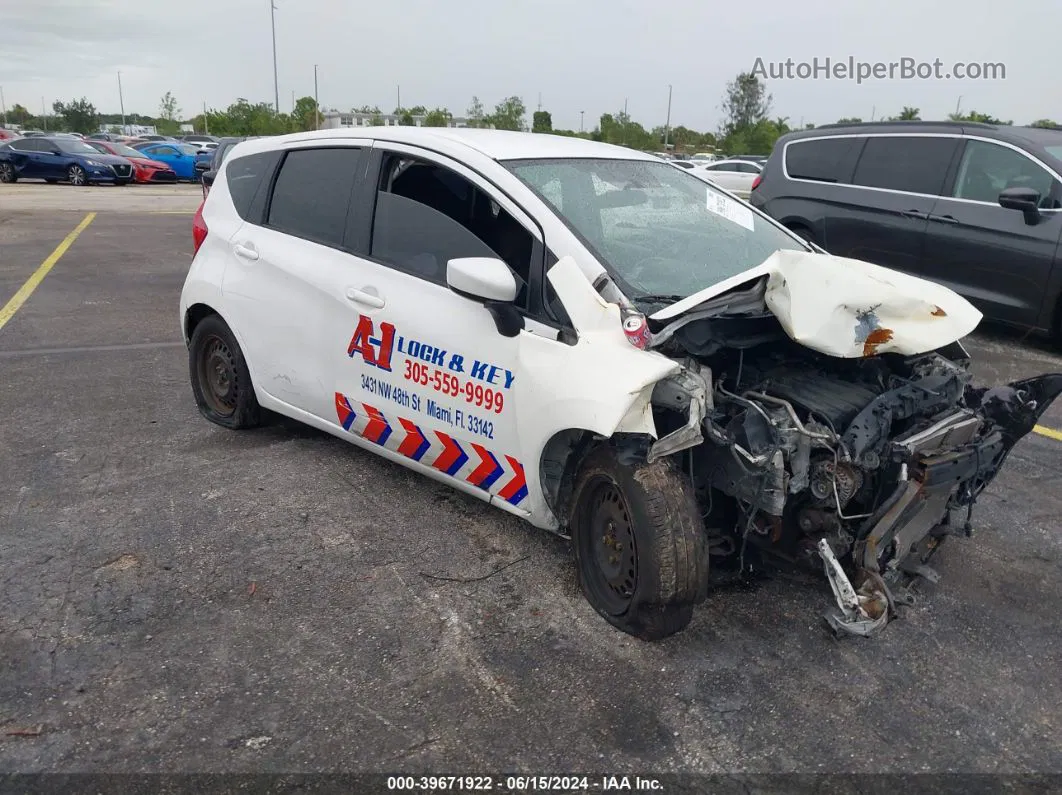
(177, 597)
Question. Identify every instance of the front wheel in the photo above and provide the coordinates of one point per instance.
(639, 542)
(76, 175)
(221, 382)
(7, 173)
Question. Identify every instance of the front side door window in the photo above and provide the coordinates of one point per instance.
(987, 169)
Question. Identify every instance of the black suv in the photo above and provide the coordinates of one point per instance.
(975, 207)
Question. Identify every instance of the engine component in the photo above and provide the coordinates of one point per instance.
(827, 476)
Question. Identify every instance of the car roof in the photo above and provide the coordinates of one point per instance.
(1003, 132)
(495, 144)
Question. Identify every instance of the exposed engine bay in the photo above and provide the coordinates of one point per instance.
(858, 466)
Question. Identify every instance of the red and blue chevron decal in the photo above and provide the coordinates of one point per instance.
(502, 476)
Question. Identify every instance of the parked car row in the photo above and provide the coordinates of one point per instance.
(58, 158)
(975, 207)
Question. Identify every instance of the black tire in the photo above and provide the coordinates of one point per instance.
(76, 175)
(7, 173)
(640, 548)
(221, 382)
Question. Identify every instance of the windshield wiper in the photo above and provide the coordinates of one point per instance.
(658, 299)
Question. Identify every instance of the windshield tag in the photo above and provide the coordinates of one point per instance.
(731, 210)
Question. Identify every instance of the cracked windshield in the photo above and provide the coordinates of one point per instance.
(663, 233)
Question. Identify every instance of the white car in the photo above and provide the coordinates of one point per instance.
(599, 343)
(736, 176)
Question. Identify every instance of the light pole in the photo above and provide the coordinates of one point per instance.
(581, 120)
(44, 115)
(667, 124)
(276, 85)
(121, 103)
(316, 102)
(3, 106)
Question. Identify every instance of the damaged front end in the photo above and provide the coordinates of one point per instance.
(861, 466)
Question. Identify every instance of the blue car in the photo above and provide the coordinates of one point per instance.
(179, 156)
(61, 159)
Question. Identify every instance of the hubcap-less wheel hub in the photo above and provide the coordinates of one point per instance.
(218, 376)
(614, 552)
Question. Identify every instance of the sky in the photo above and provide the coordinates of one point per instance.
(579, 56)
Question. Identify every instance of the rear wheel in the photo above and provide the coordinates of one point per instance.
(7, 173)
(221, 382)
(76, 175)
(639, 544)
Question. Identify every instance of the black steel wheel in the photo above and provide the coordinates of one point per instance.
(221, 382)
(640, 545)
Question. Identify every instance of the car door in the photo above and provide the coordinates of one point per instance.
(286, 280)
(991, 255)
(421, 370)
(882, 215)
(23, 155)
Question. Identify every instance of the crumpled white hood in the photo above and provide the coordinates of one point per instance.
(849, 308)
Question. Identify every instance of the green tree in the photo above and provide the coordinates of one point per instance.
(541, 122)
(981, 118)
(745, 104)
(850, 120)
(440, 117)
(475, 113)
(78, 115)
(1042, 123)
(405, 117)
(374, 109)
(169, 113)
(908, 114)
(19, 115)
(305, 115)
(509, 114)
(376, 121)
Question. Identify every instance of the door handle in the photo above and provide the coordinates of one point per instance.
(944, 219)
(246, 250)
(364, 297)
(915, 214)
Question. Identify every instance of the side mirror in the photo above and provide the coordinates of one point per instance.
(202, 166)
(1026, 200)
(481, 279)
(489, 281)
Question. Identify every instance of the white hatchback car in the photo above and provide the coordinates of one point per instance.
(736, 176)
(595, 341)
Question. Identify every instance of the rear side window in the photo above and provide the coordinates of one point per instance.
(907, 163)
(244, 176)
(312, 193)
(822, 159)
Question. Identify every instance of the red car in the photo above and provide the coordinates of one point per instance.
(144, 168)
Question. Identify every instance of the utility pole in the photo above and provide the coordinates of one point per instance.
(958, 105)
(276, 84)
(293, 102)
(398, 91)
(667, 124)
(581, 120)
(44, 115)
(316, 103)
(206, 121)
(3, 106)
(626, 122)
(121, 102)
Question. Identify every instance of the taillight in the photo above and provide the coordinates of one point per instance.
(756, 182)
(199, 229)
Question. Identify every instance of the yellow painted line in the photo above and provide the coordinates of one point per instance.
(1050, 433)
(26, 290)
